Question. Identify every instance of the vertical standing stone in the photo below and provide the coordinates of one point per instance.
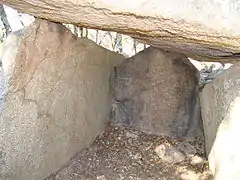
(220, 102)
(155, 92)
(57, 102)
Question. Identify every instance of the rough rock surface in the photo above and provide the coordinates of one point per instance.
(220, 102)
(57, 102)
(173, 25)
(187, 149)
(169, 154)
(155, 91)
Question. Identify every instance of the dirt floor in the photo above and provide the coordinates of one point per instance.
(124, 153)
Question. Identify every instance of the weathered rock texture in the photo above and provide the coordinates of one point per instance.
(220, 102)
(57, 102)
(155, 92)
(201, 29)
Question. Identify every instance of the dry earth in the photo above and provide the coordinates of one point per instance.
(124, 153)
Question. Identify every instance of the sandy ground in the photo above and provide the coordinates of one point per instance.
(123, 153)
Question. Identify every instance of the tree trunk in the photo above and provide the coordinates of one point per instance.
(5, 20)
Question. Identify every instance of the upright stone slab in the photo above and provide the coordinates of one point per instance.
(155, 91)
(57, 100)
(220, 104)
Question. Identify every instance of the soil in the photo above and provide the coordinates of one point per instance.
(124, 153)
